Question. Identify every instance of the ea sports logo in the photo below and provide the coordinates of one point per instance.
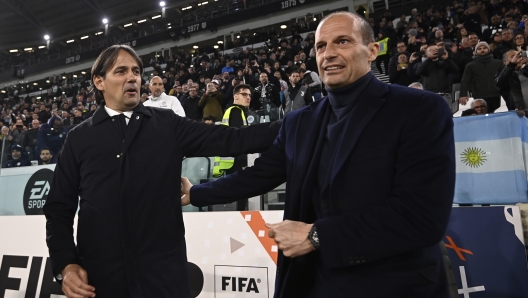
(36, 191)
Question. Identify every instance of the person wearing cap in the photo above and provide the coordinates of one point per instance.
(18, 158)
(159, 99)
(478, 77)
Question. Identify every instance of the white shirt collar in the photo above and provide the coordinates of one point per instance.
(113, 113)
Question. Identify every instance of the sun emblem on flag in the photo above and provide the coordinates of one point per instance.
(473, 157)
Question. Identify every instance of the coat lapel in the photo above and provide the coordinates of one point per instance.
(134, 124)
(369, 102)
(308, 153)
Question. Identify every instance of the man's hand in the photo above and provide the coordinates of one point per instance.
(75, 282)
(185, 191)
(413, 57)
(463, 100)
(520, 113)
(517, 58)
(291, 237)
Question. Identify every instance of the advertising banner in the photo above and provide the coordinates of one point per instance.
(229, 255)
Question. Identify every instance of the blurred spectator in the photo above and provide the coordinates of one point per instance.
(190, 105)
(297, 96)
(46, 156)
(209, 120)
(479, 78)
(90, 113)
(265, 94)
(416, 85)
(18, 133)
(506, 44)
(399, 74)
(144, 97)
(177, 92)
(18, 157)
(473, 40)
(311, 80)
(52, 135)
(212, 102)
(480, 106)
(401, 48)
(32, 135)
(159, 99)
(6, 141)
(384, 52)
(494, 27)
(512, 82)
(65, 115)
(435, 72)
(496, 40)
(520, 42)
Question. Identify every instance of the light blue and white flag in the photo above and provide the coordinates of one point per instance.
(491, 154)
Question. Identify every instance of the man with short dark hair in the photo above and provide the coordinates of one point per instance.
(130, 232)
(266, 95)
(359, 166)
(505, 45)
(512, 81)
(435, 72)
(298, 95)
(190, 106)
(46, 156)
(478, 77)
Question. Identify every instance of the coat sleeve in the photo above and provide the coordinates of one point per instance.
(268, 172)
(177, 108)
(60, 209)
(466, 80)
(416, 213)
(198, 139)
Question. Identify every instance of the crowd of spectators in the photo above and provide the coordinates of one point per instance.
(174, 19)
(432, 50)
(477, 46)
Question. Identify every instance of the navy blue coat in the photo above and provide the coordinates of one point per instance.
(130, 232)
(389, 194)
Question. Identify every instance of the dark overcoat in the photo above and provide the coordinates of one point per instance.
(386, 200)
(130, 233)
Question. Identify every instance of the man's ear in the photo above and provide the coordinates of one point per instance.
(373, 48)
(98, 83)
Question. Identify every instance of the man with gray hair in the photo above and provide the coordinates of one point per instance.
(480, 106)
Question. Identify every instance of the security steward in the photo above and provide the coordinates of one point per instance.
(235, 116)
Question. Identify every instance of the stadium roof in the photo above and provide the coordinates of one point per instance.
(25, 22)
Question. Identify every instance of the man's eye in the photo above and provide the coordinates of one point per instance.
(343, 41)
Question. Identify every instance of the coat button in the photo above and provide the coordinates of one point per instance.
(137, 117)
(118, 156)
